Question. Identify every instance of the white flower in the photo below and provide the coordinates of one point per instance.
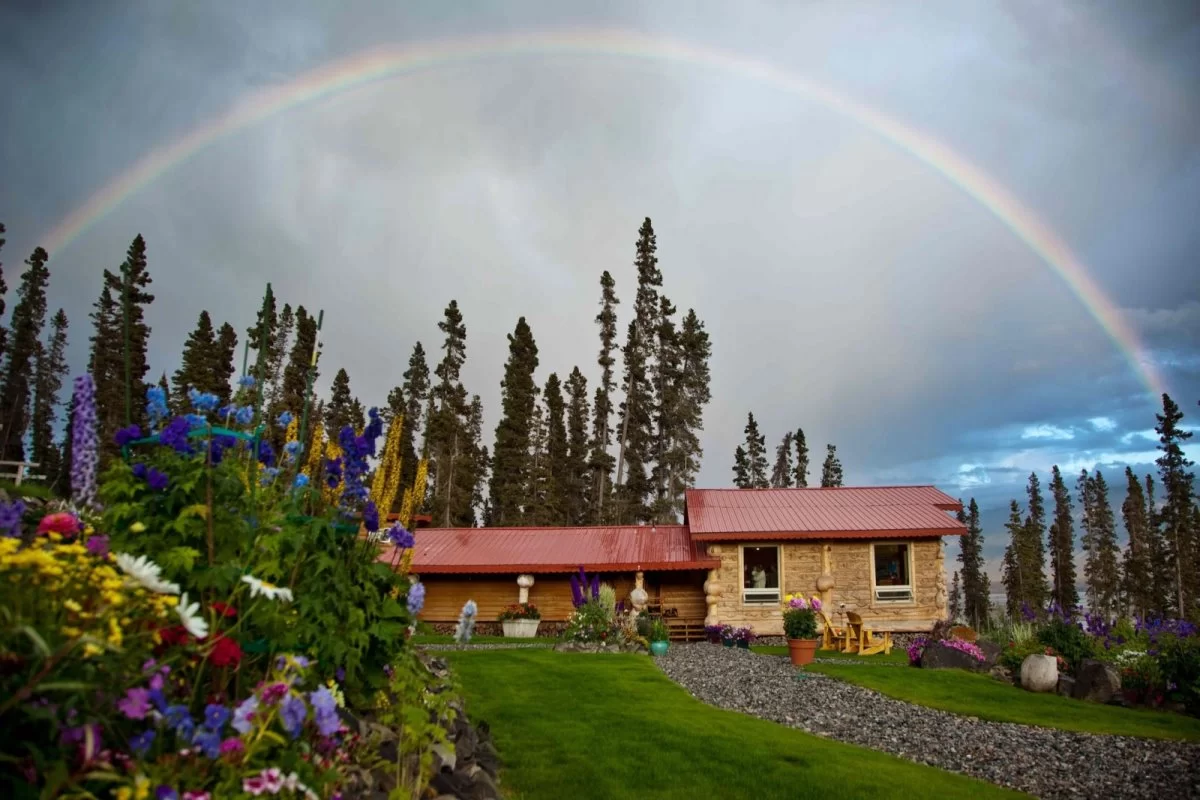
(145, 572)
(267, 590)
(189, 614)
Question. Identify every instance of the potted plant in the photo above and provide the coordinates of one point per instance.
(800, 627)
(520, 620)
(713, 633)
(659, 636)
(742, 637)
(727, 635)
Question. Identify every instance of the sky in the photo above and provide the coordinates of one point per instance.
(848, 287)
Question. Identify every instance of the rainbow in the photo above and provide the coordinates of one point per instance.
(389, 62)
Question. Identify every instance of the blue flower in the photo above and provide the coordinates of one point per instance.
(156, 405)
(139, 470)
(127, 435)
(244, 415)
(203, 401)
(266, 453)
(175, 435)
(157, 480)
(246, 381)
(215, 716)
(293, 711)
(10, 517)
(292, 449)
(196, 420)
(244, 713)
(325, 711)
(164, 792)
(178, 718)
(284, 419)
(209, 741)
(416, 598)
(333, 472)
(225, 411)
(371, 516)
(400, 537)
(301, 481)
(141, 743)
(269, 475)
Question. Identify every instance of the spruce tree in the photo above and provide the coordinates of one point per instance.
(1101, 567)
(667, 426)
(106, 365)
(956, 600)
(756, 454)
(281, 344)
(28, 318)
(577, 475)
(601, 461)
(3, 292)
(199, 367)
(226, 367)
(1135, 573)
(534, 511)
(1162, 577)
(511, 456)
(975, 585)
(447, 429)
(416, 395)
(692, 394)
(1062, 546)
(637, 439)
(48, 378)
(556, 453)
(1178, 484)
(801, 458)
(293, 383)
(1033, 548)
(129, 291)
(741, 468)
(1011, 575)
(165, 385)
(470, 469)
(358, 415)
(339, 411)
(831, 470)
(781, 475)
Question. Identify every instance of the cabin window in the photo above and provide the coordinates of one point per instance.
(760, 574)
(893, 572)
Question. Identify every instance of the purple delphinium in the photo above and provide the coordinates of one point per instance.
(164, 792)
(83, 442)
(174, 435)
(126, 435)
(157, 480)
(98, 545)
(333, 472)
(293, 712)
(10, 517)
(371, 516)
(266, 454)
(577, 584)
(400, 537)
(416, 598)
(339, 674)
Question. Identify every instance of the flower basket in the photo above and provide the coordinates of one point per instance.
(520, 628)
(742, 637)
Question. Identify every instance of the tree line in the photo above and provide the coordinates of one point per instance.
(559, 457)
(1156, 575)
(750, 461)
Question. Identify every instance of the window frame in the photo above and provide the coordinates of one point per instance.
(910, 587)
(770, 600)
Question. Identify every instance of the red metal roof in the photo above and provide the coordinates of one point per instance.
(835, 513)
(545, 550)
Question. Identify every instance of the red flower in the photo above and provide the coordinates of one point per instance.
(225, 652)
(174, 635)
(224, 610)
(62, 522)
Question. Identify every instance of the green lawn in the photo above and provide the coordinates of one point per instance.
(978, 695)
(434, 638)
(898, 655)
(577, 725)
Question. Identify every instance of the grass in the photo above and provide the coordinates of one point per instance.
(898, 655)
(976, 695)
(435, 638)
(581, 726)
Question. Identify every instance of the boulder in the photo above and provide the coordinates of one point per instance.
(1039, 673)
(1001, 673)
(1096, 681)
(1066, 685)
(937, 656)
(991, 652)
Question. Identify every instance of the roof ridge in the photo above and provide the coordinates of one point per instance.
(542, 528)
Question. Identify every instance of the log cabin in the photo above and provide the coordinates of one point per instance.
(877, 551)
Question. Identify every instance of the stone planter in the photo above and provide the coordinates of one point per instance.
(802, 651)
(520, 628)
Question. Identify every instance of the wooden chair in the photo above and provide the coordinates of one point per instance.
(964, 632)
(833, 638)
(861, 640)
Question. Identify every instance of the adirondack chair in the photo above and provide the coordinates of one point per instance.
(834, 638)
(861, 640)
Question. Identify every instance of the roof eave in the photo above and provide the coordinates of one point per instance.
(907, 533)
(561, 569)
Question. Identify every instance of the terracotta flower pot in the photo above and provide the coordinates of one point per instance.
(802, 650)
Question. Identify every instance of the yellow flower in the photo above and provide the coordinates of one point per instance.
(141, 788)
(138, 527)
(114, 632)
(71, 605)
(90, 650)
(124, 793)
(71, 631)
(381, 700)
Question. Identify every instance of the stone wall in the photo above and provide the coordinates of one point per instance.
(848, 563)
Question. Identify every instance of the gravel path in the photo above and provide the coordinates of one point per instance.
(1043, 762)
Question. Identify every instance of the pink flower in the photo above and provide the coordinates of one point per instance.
(135, 703)
(274, 693)
(254, 786)
(197, 796)
(62, 522)
(232, 746)
(816, 603)
(273, 779)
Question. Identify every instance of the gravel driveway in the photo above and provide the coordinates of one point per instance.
(1043, 762)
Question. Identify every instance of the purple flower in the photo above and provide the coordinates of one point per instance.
(215, 716)
(10, 517)
(416, 598)
(209, 742)
(135, 703)
(83, 442)
(273, 693)
(178, 718)
(333, 472)
(139, 471)
(293, 711)
(141, 743)
(175, 435)
(400, 537)
(371, 516)
(266, 454)
(325, 711)
(243, 714)
(340, 674)
(164, 792)
(126, 435)
(157, 480)
(98, 545)
(87, 737)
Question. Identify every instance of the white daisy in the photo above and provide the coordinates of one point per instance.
(267, 590)
(189, 615)
(145, 572)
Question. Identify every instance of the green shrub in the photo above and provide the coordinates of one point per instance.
(1179, 659)
(644, 624)
(591, 622)
(659, 632)
(1068, 640)
(608, 599)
